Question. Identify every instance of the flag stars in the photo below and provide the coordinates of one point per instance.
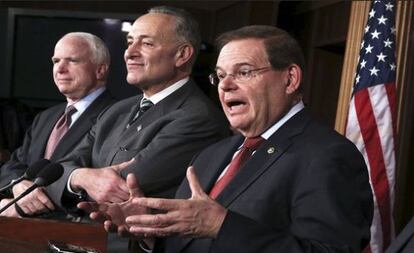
(357, 78)
(371, 14)
(382, 20)
(389, 7)
(381, 57)
(392, 66)
(375, 34)
(362, 44)
(368, 49)
(393, 30)
(374, 71)
(363, 63)
(387, 43)
(367, 29)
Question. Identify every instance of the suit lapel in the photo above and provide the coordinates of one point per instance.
(165, 106)
(209, 174)
(265, 156)
(81, 126)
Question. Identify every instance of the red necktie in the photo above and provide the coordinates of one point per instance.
(246, 150)
(60, 129)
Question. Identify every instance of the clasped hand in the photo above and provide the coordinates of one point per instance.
(198, 216)
(103, 184)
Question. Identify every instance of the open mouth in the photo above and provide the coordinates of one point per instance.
(235, 105)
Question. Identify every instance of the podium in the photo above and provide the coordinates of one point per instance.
(21, 235)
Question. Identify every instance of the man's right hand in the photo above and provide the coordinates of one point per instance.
(35, 202)
(102, 184)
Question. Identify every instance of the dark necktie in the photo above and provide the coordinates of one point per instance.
(144, 105)
(60, 129)
(246, 151)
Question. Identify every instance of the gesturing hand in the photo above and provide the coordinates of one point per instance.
(113, 215)
(102, 184)
(198, 216)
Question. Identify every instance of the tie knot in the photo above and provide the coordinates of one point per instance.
(253, 143)
(145, 104)
(70, 110)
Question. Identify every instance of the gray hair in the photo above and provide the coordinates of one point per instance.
(186, 27)
(99, 50)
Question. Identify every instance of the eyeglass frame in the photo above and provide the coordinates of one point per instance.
(237, 76)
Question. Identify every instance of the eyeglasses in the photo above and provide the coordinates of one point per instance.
(242, 75)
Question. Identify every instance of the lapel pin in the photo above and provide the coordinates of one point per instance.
(270, 150)
(139, 128)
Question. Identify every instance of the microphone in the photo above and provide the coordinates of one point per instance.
(48, 175)
(30, 173)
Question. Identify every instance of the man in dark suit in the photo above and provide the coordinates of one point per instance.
(286, 184)
(161, 49)
(80, 68)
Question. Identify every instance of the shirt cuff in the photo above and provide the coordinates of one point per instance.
(144, 246)
(80, 194)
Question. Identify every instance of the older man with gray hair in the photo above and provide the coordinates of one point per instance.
(80, 69)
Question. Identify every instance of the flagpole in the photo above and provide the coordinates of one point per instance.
(357, 20)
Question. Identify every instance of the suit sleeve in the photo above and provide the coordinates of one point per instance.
(81, 157)
(330, 211)
(161, 165)
(18, 161)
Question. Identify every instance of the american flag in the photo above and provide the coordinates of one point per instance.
(372, 116)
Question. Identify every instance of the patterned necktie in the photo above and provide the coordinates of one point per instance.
(246, 151)
(60, 129)
(144, 105)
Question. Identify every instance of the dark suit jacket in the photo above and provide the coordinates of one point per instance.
(37, 135)
(162, 140)
(404, 243)
(305, 189)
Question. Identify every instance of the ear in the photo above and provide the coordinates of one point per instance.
(294, 78)
(183, 55)
(101, 71)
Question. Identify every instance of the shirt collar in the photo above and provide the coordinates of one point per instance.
(82, 104)
(167, 91)
(295, 109)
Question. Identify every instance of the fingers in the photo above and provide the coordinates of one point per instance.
(110, 227)
(100, 217)
(119, 167)
(161, 204)
(88, 206)
(133, 186)
(151, 220)
(44, 199)
(195, 186)
(36, 202)
(148, 232)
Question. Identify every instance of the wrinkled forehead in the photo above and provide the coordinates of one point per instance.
(242, 52)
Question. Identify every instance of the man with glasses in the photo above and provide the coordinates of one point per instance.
(285, 184)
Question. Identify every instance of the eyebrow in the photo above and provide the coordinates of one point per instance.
(237, 65)
(129, 36)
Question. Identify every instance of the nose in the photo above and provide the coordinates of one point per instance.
(60, 66)
(227, 83)
(132, 51)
